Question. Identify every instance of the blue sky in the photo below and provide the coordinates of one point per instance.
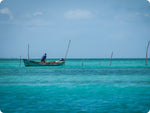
(95, 27)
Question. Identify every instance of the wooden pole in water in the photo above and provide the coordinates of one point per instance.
(20, 62)
(111, 58)
(67, 49)
(28, 51)
(147, 52)
(82, 63)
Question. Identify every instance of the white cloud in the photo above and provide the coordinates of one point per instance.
(32, 19)
(7, 12)
(148, 1)
(32, 22)
(1, 1)
(78, 14)
(146, 15)
(37, 13)
(38, 22)
(32, 15)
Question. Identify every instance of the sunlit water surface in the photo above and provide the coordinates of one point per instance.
(81, 85)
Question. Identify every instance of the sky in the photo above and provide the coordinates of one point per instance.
(95, 28)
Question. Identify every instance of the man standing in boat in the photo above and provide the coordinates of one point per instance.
(43, 59)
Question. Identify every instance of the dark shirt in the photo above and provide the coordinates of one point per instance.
(43, 57)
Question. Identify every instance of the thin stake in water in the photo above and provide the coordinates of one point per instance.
(82, 63)
(20, 62)
(111, 58)
(147, 52)
(28, 51)
(67, 49)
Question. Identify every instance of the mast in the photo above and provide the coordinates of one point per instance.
(67, 49)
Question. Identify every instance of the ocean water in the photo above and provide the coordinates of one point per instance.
(80, 86)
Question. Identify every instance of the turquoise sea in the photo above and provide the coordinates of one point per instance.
(80, 86)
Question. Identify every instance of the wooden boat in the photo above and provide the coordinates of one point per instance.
(61, 62)
(49, 63)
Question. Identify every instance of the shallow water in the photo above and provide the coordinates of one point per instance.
(81, 85)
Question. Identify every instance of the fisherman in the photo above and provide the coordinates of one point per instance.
(43, 59)
(61, 59)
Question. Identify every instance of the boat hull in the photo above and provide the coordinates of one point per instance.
(50, 63)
